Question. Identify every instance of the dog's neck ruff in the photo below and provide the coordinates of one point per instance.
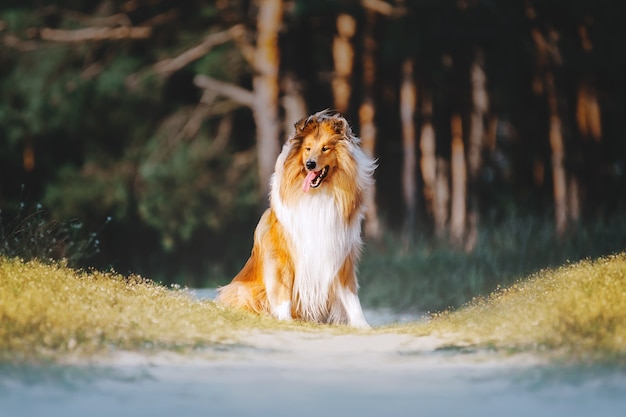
(321, 240)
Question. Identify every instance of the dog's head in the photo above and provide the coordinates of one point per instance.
(318, 139)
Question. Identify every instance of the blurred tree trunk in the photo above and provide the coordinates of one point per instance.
(588, 115)
(441, 197)
(266, 87)
(408, 98)
(548, 57)
(367, 110)
(293, 102)
(589, 121)
(458, 184)
(428, 161)
(263, 100)
(343, 57)
(557, 145)
(480, 107)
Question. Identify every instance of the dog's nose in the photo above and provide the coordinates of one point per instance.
(310, 164)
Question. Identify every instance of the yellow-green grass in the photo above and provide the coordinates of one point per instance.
(574, 312)
(52, 312)
(48, 311)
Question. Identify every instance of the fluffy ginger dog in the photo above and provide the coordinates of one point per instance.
(307, 243)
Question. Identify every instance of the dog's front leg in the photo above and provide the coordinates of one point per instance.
(352, 307)
(278, 285)
(347, 306)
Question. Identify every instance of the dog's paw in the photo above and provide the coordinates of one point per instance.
(283, 311)
(360, 324)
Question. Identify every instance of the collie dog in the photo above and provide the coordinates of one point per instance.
(307, 243)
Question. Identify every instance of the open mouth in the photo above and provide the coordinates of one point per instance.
(314, 178)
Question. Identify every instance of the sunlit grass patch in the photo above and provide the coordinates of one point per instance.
(578, 310)
(47, 311)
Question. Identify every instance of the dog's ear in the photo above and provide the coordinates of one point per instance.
(299, 128)
(340, 126)
(302, 124)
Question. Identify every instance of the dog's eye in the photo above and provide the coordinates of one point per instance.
(307, 149)
(325, 149)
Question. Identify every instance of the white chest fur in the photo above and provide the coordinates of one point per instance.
(320, 242)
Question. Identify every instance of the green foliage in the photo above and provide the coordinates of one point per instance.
(106, 130)
(20, 19)
(100, 192)
(111, 82)
(187, 188)
(35, 90)
(224, 63)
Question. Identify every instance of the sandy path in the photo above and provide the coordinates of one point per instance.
(314, 374)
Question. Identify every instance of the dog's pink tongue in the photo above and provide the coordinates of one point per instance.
(307, 181)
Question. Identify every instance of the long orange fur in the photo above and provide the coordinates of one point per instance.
(307, 243)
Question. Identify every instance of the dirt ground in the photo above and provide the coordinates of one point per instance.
(311, 374)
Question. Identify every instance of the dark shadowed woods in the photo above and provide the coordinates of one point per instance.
(167, 116)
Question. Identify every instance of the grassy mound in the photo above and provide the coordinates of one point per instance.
(51, 311)
(47, 311)
(577, 310)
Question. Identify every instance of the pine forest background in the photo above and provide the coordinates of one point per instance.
(498, 127)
